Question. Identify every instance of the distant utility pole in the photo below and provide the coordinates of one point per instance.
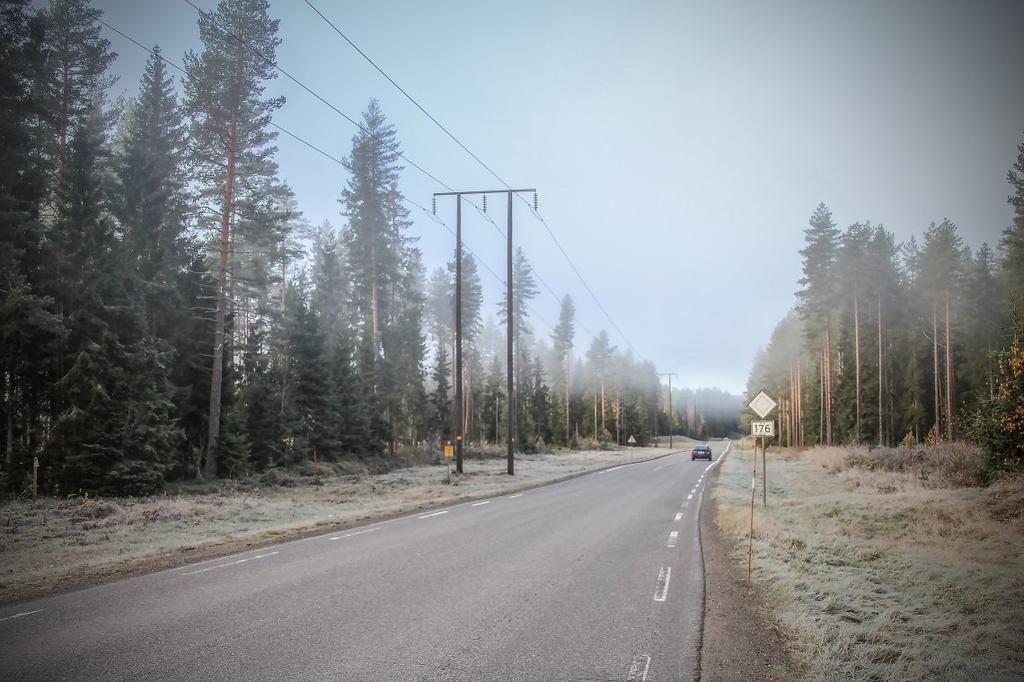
(458, 320)
(669, 375)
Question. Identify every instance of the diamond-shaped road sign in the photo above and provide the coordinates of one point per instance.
(762, 404)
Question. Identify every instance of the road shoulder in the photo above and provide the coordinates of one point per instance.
(740, 640)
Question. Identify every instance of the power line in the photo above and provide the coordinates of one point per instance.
(476, 158)
(407, 95)
(330, 156)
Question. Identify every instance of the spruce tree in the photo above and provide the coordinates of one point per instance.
(231, 145)
(441, 399)
(30, 331)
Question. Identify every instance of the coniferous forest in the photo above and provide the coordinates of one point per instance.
(167, 313)
(907, 343)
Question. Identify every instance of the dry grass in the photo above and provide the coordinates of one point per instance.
(54, 539)
(884, 567)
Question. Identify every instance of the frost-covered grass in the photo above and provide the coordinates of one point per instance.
(54, 539)
(877, 571)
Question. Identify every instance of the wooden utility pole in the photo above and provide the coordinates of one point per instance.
(509, 322)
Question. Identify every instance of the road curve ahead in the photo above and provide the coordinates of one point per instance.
(596, 578)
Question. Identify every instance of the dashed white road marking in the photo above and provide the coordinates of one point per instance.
(661, 591)
(349, 535)
(679, 516)
(427, 516)
(20, 615)
(690, 496)
(477, 504)
(672, 538)
(638, 670)
(230, 563)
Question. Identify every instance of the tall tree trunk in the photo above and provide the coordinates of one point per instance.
(618, 421)
(935, 370)
(949, 375)
(568, 382)
(828, 381)
(821, 397)
(217, 374)
(800, 404)
(881, 376)
(9, 427)
(856, 356)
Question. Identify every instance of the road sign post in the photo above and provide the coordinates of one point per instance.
(762, 405)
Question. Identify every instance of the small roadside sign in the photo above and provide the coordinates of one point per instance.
(762, 428)
(449, 451)
(762, 404)
(632, 440)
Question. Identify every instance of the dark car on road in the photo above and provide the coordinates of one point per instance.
(700, 452)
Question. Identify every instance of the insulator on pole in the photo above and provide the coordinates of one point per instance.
(485, 203)
(534, 201)
(434, 202)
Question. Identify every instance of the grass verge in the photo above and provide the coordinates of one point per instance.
(878, 571)
(60, 544)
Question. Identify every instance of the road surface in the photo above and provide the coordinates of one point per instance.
(596, 578)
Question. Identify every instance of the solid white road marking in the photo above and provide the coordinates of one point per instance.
(230, 563)
(672, 537)
(661, 591)
(477, 504)
(663, 466)
(349, 535)
(638, 670)
(679, 516)
(512, 497)
(19, 615)
(427, 516)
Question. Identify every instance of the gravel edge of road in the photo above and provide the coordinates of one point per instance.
(739, 639)
(118, 570)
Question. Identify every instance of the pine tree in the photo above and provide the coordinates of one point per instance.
(1012, 242)
(817, 299)
(600, 356)
(230, 142)
(941, 266)
(562, 338)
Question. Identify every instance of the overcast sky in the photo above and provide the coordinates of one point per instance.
(678, 147)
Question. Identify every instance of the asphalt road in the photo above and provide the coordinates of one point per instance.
(596, 578)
